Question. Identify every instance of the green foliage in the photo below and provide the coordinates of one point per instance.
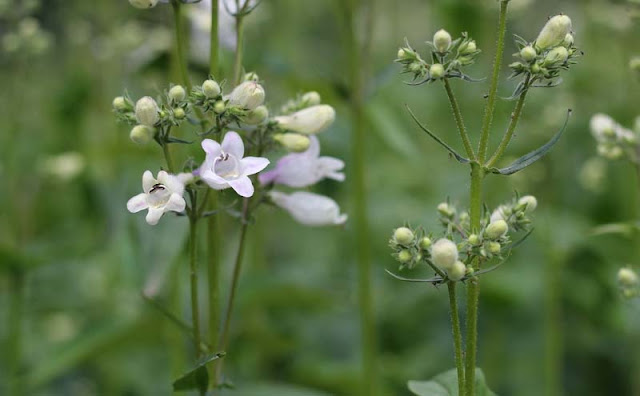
(446, 384)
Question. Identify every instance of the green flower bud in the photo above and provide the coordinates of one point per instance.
(119, 103)
(535, 68)
(251, 76)
(457, 271)
(528, 203)
(309, 121)
(141, 134)
(177, 93)
(179, 113)
(210, 89)
(627, 277)
(404, 256)
(311, 98)
(256, 116)
(442, 40)
(554, 32)
(437, 71)
(568, 40)
(556, 57)
(610, 152)
(247, 95)
(425, 243)
(403, 236)
(147, 111)
(468, 48)
(446, 210)
(293, 142)
(402, 54)
(528, 53)
(143, 3)
(415, 67)
(494, 247)
(444, 253)
(219, 107)
(473, 239)
(496, 229)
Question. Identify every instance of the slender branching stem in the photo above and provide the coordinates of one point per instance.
(493, 88)
(214, 42)
(457, 335)
(237, 63)
(180, 44)
(459, 121)
(515, 117)
(167, 157)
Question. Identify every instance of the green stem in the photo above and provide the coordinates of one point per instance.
(515, 117)
(14, 342)
(214, 43)
(237, 63)
(193, 277)
(457, 336)
(473, 289)
(223, 340)
(493, 89)
(180, 50)
(552, 328)
(459, 121)
(167, 157)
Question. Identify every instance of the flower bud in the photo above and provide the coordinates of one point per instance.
(402, 54)
(627, 277)
(442, 40)
(457, 271)
(247, 95)
(556, 56)
(311, 98)
(610, 152)
(141, 134)
(554, 32)
(468, 48)
(528, 203)
(256, 116)
(415, 67)
(293, 142)
(403, 236)
(444, 253)
(219, 107)
(425, 243)
(210, 89)
(437, 71)
(496, 229)
(535, 68)
(473, 239)
(143, 3)
(528, 53)
(119, 103)
(404, 256)
(251, 76)
(177, 93)
(179, 113)
(494, 247)
(568, 41)
(147, 111)
(309, 121)
(446, 210)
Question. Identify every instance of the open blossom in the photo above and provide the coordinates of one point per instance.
(309, 208)
(225, 166)
(304, 169)
(309, 121)
(161, 194)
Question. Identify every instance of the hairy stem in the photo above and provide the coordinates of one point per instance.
(459, 121)
(223, 340)
(515, 117)
(457, 335)
(167, 157)
(237, 63)
(180, 50)
(493, 89)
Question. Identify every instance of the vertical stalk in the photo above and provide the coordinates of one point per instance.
(193, 278)
(552, 330)
(635, 335)
(493, 90)
(357, 76)
(459, 121)
(180, 50)
(14, 347)
(167, 156)
(457, 336)
(237, 63)
(213, 43)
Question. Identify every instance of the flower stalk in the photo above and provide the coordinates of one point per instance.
(180, 44)
(457, 335)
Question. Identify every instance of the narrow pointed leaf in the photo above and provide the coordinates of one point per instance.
(457, 156)
(172, 139)
(435, 280)
(197, 377)
(533, 156)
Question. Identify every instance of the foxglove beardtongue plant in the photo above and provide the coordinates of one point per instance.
(475, 242)
(236, 132)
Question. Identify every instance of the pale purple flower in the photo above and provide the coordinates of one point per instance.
(161, 194)
(304, 169)
(225, 166)
(309, 208)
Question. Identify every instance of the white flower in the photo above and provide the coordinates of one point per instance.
(606, 129)
(247, 95)
(309, 121)
(225, 166)
(304, 169)
(554, 32)
(161, 194)
(309, 208)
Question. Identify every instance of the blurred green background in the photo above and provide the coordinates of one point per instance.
(551, 319)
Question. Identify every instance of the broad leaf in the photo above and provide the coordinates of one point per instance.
(197, 377)
(446, 384)
(533, 156)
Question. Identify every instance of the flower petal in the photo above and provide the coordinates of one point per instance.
(211, 147)
(154, 215)
(176, 204)
(309, 208)
(137, 203)
(330, 167)
(232, 144)
(242, 186)
(253, 165)
(148, 181)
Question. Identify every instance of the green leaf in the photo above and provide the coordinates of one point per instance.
(197, 377)
(457, 156)
(625, 229)
(172, 139)
(446, 384)
(533, 156)
(270, 389)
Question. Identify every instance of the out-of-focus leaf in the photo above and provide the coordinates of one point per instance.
(625, 229)
(278, 389)
(385, 123)
(197, 377)
(446, 384)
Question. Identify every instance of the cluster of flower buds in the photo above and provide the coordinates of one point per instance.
(27, 37)
(412, 246)
(146, 4)
(614, 141)
(629, 283)
(551, 52)
(449, 57)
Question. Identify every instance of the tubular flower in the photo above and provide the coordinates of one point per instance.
(161, 194)
(309, 208)
(309, 121)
